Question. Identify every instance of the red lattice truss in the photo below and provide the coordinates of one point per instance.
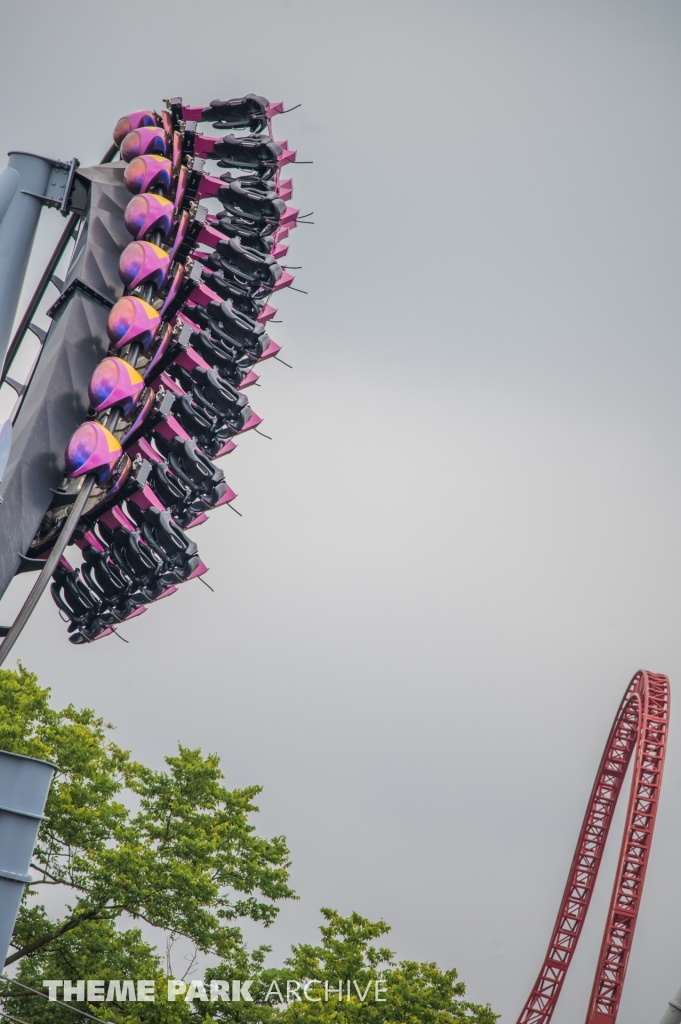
(640, 726)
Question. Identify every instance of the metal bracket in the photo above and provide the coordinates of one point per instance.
(78, 285)
(29, 565)
(62, 498)
(19, 388)
(59, 187)
(39, 332)
(78, 197)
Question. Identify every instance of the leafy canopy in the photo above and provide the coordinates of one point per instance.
(409, 992)
(176, 849)
(186, 860)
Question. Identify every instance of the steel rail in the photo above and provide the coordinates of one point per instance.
(43, 284)
(51, 563)
(640, 728)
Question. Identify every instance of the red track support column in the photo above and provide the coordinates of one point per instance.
(641, 725)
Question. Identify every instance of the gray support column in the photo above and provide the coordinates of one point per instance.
(672, 1014)
(57, 398)
(19, 214)
(24, 785)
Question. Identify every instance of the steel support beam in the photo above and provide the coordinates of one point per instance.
(22, 184)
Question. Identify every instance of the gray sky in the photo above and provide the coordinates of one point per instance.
(465, 536)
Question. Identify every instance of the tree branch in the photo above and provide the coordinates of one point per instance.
(46, 874)
(68, 926)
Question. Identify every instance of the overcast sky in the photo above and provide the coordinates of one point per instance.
(465, 535)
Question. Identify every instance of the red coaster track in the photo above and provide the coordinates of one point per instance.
(641, 725)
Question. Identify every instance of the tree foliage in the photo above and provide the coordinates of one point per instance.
(347, 958)
(187, 859)
(176, 849)
(94, 950)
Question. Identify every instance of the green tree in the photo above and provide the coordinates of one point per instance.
(350, 980)
(173, 848)
(176, 849)
(95, 950)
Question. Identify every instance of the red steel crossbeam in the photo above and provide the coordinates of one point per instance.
(640, 726)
